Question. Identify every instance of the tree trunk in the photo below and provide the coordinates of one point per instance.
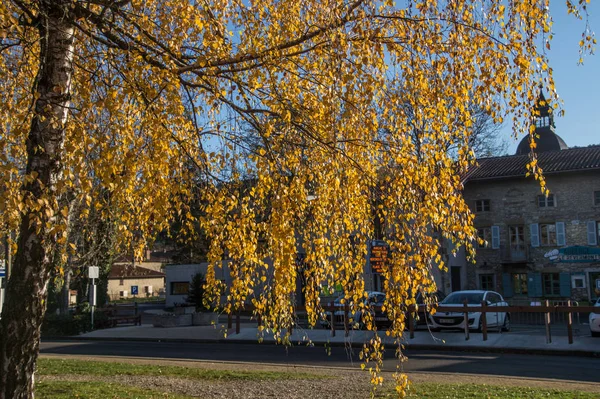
(26, 291)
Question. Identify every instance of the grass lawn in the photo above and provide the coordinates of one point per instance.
(83, 367)
(439, 391)
(73, 378)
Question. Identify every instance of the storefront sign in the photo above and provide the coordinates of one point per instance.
(378, 256)
(574, 254)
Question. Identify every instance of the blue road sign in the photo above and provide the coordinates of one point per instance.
(134, 290)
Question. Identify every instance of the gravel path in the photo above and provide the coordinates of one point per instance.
(337, 383)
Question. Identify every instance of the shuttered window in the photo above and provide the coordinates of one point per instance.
(561, 235)
(593, 231)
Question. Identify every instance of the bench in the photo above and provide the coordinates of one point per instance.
(122, 314)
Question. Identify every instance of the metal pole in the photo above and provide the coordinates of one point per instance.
(93, 294)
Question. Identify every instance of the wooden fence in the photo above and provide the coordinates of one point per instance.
(546, 310)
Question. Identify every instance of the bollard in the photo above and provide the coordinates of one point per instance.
(570, 323)
(346, 311)
(466, 320)
(547, 322)
(484, 320)
(411, 324)
(332, 321)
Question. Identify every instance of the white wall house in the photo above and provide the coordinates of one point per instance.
(179, 277)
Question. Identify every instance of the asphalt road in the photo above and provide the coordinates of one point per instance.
(533, 366)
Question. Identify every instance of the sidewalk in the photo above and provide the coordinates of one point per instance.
(510, 342)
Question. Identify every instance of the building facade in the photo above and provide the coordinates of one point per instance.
(126, 281)
(537, 246)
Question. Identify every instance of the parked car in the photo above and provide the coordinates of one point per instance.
(381, 318)
(595, 321)
(453, 320)
(420, 320)
(374, 298)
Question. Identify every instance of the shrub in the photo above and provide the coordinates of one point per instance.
(72, 324)
(196, 293)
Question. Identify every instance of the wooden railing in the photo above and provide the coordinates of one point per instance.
(546, 309)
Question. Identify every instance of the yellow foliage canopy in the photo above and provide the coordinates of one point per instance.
(323, 117)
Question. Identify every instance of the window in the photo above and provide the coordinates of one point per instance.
(551, 284)
(517, 238)
(486, 282)
(180, 288)
(578, 281)
(596, 197)
(542, 121)
(493, 298)
(548, 234)
(482, 205)
(121, 282)
(519, 283)
(485, 234)
(546, 202)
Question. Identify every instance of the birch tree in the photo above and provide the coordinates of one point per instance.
(119, 97)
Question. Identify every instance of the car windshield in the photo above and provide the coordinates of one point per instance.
(458, 298)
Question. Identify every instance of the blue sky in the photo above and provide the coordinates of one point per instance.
(578, 86)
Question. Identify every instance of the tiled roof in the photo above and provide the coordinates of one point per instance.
(567, 160)
(128, 271)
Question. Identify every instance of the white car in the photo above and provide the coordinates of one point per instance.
(454, 320)
(375, 298)
(595, 321)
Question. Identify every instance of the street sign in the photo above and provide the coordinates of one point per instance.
(134, 290)
(93, 272)
(574, 254)
(378, 256)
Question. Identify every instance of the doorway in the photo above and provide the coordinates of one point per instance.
(455, 278)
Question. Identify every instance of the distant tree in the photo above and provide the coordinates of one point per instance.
(196, 294)
(486, 139)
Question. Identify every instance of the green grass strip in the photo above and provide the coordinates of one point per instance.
(476, 391)
(48, 366)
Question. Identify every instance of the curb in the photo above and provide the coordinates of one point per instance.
(407, 346)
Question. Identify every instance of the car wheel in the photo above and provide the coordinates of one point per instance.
(595, 333)
(506, 325)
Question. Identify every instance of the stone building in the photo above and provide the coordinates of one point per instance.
(536, 246)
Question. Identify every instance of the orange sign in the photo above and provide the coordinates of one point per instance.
(378, 257)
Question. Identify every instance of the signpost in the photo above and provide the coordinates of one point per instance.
(134, 290)
(93, 273)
